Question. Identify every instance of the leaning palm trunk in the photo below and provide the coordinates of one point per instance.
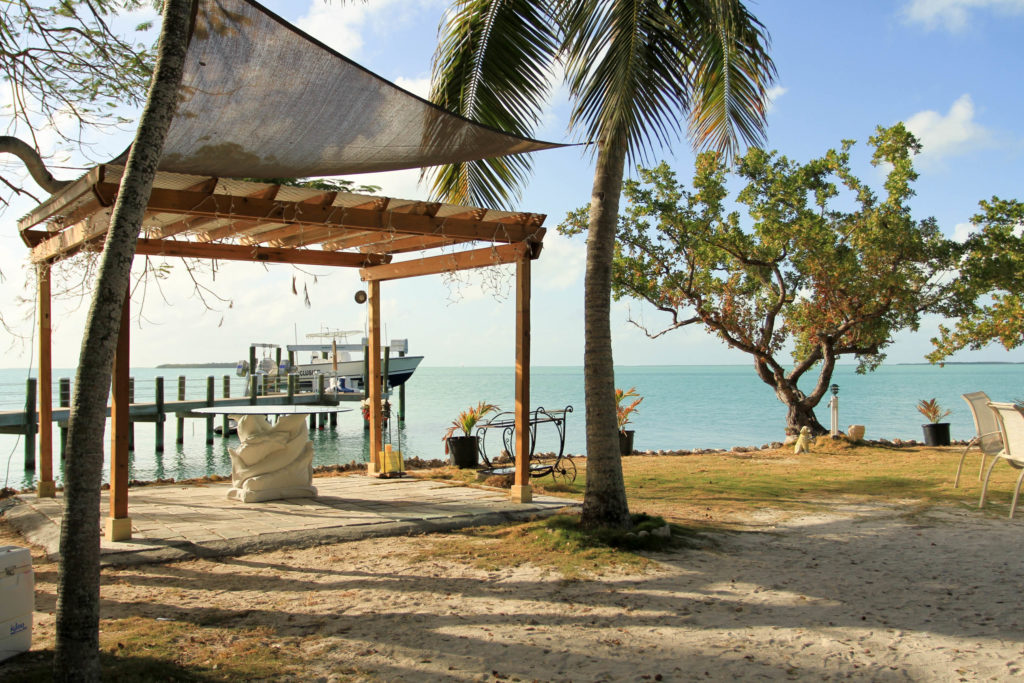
(76, 655)
(604, 501)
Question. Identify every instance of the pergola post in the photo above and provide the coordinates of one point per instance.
(119, 524)
(46, 487)
(373, 395)
(522, 492)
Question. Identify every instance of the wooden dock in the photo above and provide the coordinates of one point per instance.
(26, 422)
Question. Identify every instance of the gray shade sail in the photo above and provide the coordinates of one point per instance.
(262, 99)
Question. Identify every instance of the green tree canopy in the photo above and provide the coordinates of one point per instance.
(66, 71)
(802, 277)
(991, 287)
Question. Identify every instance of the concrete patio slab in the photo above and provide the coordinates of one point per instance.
(197, 520)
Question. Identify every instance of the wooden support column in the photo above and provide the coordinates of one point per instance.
(46, 488)
(522, 492)
(119, 524)
(373, 383)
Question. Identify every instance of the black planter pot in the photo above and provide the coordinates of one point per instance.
(463, 451)
(626, 442)
(936, 434)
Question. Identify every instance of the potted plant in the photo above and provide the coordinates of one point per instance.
(935, 433)
(463, 449)
(623, 409)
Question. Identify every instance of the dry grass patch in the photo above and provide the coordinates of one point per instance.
(145, 649)
(555, 544)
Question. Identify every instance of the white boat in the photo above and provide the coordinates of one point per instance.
(342, 365)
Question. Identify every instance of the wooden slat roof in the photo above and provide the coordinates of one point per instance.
(202, 217)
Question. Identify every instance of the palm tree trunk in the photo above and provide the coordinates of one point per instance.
(604, 501)
(76, 655)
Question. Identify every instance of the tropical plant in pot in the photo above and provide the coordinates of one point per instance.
(936, 433)
(624, 407)
(463, 449)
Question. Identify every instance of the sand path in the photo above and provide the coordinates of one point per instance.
(865, 592)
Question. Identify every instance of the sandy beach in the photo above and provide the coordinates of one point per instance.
(865, 592)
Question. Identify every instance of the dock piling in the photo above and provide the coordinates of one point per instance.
(320, 399)
(209, 402)
(158, 425)
(401, 395)
(277, 377)
(64, 400)
(131, 423)
(31, 420)
(227, 394)
(180, 437)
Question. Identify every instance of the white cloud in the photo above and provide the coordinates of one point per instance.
(417, 86)
(404, 184)
(561, 264)
(343, 26)
(774, 94)
(951, 134)
(961, 231)
(337, 25)
(953, 14)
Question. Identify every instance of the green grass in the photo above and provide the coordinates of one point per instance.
(686, 489)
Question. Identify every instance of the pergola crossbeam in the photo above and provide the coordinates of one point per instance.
(462, 260)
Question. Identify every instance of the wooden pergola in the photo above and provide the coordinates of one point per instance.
(218, 218)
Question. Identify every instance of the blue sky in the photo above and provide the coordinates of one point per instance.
(950, 69)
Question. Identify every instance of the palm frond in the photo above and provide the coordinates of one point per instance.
(638, 68)
(493, 65)
(624, 70)
(732, 73)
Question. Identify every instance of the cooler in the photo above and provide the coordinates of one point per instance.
(17, 600)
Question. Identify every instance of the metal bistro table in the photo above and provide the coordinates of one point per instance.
(561, 468)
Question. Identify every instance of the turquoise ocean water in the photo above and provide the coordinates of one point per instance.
(684, 407)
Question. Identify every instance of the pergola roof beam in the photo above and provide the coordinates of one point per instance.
(406, 244)
(236, 252)
(298, 213)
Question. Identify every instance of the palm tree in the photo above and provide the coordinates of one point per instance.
(635, 69)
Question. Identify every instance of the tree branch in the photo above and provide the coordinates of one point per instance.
(33, 162)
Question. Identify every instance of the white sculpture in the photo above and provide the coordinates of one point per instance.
(272, 461)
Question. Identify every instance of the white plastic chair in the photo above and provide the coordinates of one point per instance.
(989, 440)
(1011, 423)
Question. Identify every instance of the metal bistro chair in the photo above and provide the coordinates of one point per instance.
(1011, 423)
(989, 439)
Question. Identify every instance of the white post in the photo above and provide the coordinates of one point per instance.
(834, 405)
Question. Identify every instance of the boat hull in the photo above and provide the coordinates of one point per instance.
(400, 369)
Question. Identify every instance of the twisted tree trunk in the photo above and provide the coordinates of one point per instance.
(76, 656)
